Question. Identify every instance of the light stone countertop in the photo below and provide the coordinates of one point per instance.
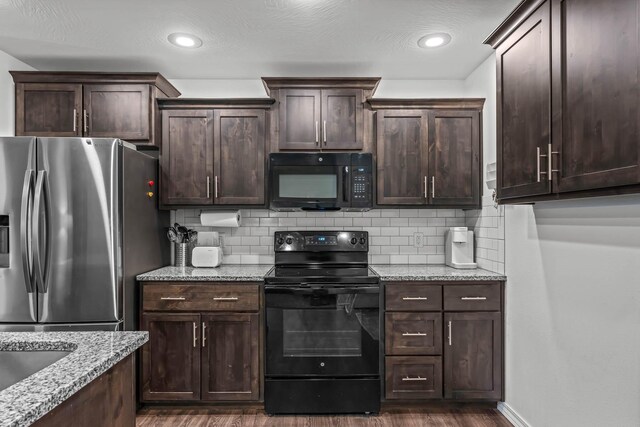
(91, 355)
(223, 273)
(433, 273)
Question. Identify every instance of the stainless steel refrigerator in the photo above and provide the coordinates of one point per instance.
(76, 226)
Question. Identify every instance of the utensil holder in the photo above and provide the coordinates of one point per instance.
(183, 252)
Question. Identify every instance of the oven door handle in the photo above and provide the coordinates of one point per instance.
(330, 290)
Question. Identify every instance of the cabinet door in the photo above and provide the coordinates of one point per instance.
(117, 111)
(171, 358)
(454, 163)
(596, 88)
(187, 157)
(239, 157)
(523, 108)
(48, 109)
(473, 356)
(402, 143)
(230, 366)
(299, 119)
(342, 119)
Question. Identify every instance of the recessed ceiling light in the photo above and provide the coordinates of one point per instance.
(434, 40)
(184, 40)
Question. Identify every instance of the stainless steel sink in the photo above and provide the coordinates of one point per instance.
(18, 365)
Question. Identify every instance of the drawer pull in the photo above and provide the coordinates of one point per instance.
(473, 298)
(225, 298)
(172, 298)
(414, 334)
(418, 378)
(414, 298)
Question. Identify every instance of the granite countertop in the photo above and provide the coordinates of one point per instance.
(92, 354)
(432, 272)
(224, 273)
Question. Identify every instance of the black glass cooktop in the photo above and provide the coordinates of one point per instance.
(320, 274)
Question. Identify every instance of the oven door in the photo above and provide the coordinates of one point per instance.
(309, 187)
(322, 332)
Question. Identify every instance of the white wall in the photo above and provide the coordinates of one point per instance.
(253, 88)
(573, 312)
(7, 92)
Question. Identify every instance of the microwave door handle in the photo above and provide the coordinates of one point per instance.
(346, 193)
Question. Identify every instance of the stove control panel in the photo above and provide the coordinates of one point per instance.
(321, 241)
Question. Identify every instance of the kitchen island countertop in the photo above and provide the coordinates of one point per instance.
(91, 355)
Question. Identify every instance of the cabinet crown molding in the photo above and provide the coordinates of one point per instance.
(364, 83)
(426, 103)
(81, 77)
(513, 21)
(213, 103)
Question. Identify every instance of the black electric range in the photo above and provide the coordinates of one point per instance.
(323, 325)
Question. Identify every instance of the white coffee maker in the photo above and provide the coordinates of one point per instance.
(459, 248)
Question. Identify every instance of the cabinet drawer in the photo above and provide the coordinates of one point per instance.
(413, 297)
(411, 377)
(472, 297)
(201, 297)
(413, 333)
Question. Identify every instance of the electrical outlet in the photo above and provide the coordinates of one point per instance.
(418, 240)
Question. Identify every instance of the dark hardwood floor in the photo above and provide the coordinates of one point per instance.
(212, 417)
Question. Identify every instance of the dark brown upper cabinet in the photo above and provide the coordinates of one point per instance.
(110, 105)
(186, 163)
(230, 359)
(121, 110)
(429, 152)
(213, 152)
(402, 151)
(239, 157)
(568, 110)
(48, 109)
(313, 114)
(473, 356)
(454, 157)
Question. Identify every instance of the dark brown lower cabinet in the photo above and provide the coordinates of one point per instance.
(230, 357)
(473, 356)
(171, 358)
(413, 377)
(107, 401)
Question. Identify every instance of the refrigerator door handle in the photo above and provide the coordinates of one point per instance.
(25, 223)
(41, 266)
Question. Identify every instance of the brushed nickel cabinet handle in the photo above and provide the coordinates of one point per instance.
(551, 170)
(75, 120)
(449, 326)
(204, 337)
(414, 334)
(215, 187)
(86, 120)
(225, 298)
(324, 131)
(538, 163)
(414, 298)
(195, 336)
(208, 187)
(425, 187)
(433, 187)
(172, 298)
(317, 138)
(473, 298)
(418, 378)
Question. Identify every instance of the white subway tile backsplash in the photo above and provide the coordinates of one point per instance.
(391, 232)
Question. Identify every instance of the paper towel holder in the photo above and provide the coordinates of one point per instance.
(221, 219)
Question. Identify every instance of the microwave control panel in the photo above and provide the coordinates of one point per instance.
(361, 181)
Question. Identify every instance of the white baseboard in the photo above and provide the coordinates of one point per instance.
(512, 415)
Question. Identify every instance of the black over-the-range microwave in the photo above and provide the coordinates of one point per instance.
(321, 181)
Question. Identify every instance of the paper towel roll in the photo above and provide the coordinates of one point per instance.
(220, 219)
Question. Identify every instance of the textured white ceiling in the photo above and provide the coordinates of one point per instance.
(252, 38)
